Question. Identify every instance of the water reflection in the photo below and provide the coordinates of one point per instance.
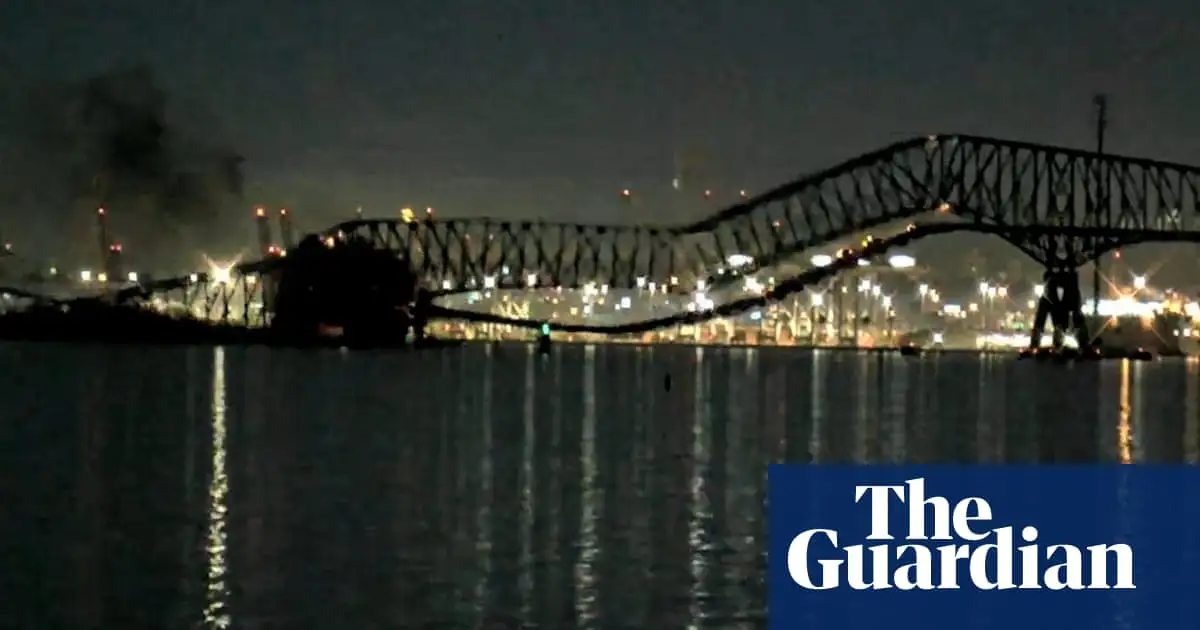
(216, 605)
(488, 487)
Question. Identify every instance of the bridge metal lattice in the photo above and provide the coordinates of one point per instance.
(1063, 207)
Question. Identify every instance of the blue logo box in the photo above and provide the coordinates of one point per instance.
(1001, 547)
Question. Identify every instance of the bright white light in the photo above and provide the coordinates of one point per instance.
(531, 279)
(1123, 307)
(133, 277)
(85, 275)
(739, 260)
(887, 301)
(446, 284)
(1039, 290)
(817, 299)
(939, 337)
(863, 262)
(822, 260)
(902, 261)
(923, 290)
(1139, 282)
(489, 282)
(220, 274)
(752, 285)
(626, 302)
(641, 282)
(983, 288)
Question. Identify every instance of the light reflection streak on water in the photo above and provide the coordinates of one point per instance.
(701, 511)
(817, 410)
(897, 415)
(585, 570)
(1137, 417)
(483, 547)
(987, 380)
(865, 380)
(1124, 426)
(527, 489)
(216, 601)
(1191, 410)
(1126, 453)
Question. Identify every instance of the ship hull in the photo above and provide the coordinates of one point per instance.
(1161, 335)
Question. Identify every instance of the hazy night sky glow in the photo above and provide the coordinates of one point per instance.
(531, 108)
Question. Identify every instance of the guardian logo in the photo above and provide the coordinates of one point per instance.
(945, 546)
(983, 547)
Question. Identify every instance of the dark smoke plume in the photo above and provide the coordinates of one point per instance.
(113, 141)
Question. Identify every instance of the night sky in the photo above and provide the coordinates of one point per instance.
(530, 108)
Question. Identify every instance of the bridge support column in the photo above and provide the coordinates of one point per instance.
(1062, 304)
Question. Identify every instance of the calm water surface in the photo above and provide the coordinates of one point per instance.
(485, 487)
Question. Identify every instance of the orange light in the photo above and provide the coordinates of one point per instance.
(283, 212)
(429, 211)
(1117, 254)
(625, 192)
(260, 212)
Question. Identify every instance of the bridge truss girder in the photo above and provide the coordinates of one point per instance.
(1023, 192)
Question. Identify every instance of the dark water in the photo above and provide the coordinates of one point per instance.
(485, 487)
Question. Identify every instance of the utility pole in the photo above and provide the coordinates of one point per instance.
(1100, 103)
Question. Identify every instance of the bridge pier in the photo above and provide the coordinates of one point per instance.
(1062, 304)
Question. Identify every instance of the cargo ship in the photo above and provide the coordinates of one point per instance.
(1161, 333)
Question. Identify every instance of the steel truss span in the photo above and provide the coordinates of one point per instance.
(1039, 198)
(1063, 207)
